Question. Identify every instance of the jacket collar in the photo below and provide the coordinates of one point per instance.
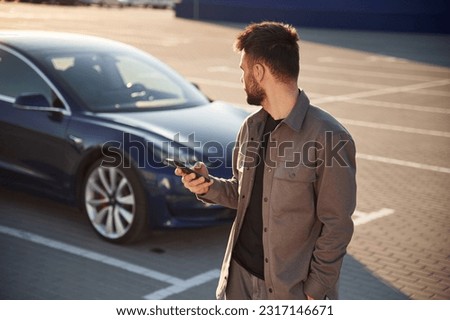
(298, 113)
(295, 118)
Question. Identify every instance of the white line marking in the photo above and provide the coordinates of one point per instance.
(391, 62)
(224, 69)
(303, 79)
(384, 91)
(366, 73)
(352, 98)
(401, 106)
(390, 127)
(426, 92)
(386, 62)
(398, 162)
(331, 82)
(177, 285)
(186, 285)
(403, 163)
(149, 273)
(218, 83)
(381, 126)
(328, 69)
(360, 217)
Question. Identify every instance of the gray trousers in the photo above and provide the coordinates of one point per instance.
(242, 285)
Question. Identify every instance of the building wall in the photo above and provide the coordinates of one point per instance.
(388, 15)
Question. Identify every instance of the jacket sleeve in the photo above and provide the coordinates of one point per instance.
(335, 203)
(225, 191)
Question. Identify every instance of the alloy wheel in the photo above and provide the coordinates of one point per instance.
(110, 202)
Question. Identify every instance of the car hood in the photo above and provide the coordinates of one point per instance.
(214, 122)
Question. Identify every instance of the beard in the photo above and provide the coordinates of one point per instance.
(255, 93)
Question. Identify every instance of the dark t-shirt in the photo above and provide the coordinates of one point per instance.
(248, 251)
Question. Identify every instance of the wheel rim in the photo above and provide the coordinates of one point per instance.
(110, 202)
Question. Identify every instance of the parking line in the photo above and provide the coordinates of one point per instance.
(185, 285)
(354, 97)
(400, 106)
(344, 83)
(340, 70)
(88, 254)
(378, 92)
(382, 126)
(218, 83)
(303, 79)
(386, 62)
(372, 61)
(360, 218)
(367, 73)
(178, 285)
(375, 125)
(402, 163)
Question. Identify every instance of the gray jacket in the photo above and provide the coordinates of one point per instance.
(309, 195)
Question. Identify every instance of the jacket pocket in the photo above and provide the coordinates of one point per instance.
(292, 198)
(299, 173)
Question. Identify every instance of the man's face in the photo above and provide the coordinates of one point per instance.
(255, 93)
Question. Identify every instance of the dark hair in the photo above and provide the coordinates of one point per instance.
(274, 44)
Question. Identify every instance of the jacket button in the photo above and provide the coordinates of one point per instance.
(265, 199)
(265, 229)
(243, 196)
(270, 290)
(267, 260)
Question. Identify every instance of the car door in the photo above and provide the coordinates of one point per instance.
(32, 139)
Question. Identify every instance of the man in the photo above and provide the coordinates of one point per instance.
(293, 181)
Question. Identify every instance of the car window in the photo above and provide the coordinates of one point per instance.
(17, 77)
(137, 72)
(120, 81)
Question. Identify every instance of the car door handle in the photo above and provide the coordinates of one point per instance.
(76, 142)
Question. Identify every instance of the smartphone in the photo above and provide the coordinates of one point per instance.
(186, 168)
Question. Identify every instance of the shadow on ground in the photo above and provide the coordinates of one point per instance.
(359, 283)
(425, 48)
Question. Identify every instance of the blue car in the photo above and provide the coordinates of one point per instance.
(91, 121)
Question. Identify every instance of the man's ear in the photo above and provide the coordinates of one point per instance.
(259, 71)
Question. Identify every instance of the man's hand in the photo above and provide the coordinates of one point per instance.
(198, 186)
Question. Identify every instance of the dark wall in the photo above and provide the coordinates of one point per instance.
(388, 15)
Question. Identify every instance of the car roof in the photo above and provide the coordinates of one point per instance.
(44, 41)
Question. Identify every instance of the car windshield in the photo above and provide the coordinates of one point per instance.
(120, 81)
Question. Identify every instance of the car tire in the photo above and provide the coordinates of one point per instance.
(114, 201)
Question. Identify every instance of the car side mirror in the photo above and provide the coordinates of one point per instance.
(32, 101)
